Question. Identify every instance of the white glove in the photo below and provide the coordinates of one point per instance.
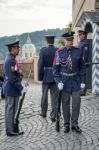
(82, 85)
(24, 90)
(60, 86)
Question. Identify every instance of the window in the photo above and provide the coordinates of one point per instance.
(26, 55)
(97, 5)
(30, 54)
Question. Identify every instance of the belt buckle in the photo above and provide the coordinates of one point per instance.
(70, 74)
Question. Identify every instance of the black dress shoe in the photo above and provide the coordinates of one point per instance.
(67, 129)
(21, 133)
(12, 134)
(76, 129)
(53, 119)
(44, 116)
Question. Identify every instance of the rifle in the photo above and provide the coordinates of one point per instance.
(16, 123)
(58, 112)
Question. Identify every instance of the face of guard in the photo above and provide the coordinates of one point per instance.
(69, 42)
(68, 38)
(81, 36)
(15, 50)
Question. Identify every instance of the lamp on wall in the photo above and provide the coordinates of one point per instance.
(89, 35)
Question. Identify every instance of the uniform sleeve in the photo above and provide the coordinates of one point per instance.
(14, 76)
(41, 66)
(82, 70)
(56, 68)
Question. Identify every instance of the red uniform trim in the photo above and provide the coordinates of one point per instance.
(59, 49)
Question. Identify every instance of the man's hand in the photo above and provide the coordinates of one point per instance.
(24, 90)
(60, 86)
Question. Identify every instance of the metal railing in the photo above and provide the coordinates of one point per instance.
(92, 63)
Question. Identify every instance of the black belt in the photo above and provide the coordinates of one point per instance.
(47, 67)
(68, 74)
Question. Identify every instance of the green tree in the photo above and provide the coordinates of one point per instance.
(67, 29)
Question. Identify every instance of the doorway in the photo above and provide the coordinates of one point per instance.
(88, 29)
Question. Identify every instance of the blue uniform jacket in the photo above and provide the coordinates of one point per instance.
(83, 44)
(12, 79)
(69, 62)
(45, 64)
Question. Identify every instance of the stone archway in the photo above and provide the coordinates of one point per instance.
(88, 27)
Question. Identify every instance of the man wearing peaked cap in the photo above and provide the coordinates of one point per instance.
(84, 46)
(82, 32)
(45, 74)
(13, 44)
(50, 39)
(68, 35)
(69, 75)
(12, 88)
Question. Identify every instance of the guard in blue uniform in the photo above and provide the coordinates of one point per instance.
(45, 75)
(83, 45)
(12, 87)
(69, 74)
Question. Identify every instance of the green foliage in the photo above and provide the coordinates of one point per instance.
(67, 29)
(61, 42)
(37, 39)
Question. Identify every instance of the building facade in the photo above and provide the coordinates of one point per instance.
(28, 49)
(28, 60)
(85, 16)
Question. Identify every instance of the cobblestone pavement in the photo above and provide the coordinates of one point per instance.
(40, 133)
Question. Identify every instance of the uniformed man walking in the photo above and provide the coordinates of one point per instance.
(84, 46)
(45, 75)
(12, 88)
(69, 74)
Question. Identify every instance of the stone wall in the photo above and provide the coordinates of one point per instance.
(79, 6)
(25, 67)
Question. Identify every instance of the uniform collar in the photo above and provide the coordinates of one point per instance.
(83, 40)
(50, 45)
(12, 55)
(69, 48)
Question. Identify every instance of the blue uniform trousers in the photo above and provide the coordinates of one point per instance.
(11, 106)
(44, 100)
(76, 101)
